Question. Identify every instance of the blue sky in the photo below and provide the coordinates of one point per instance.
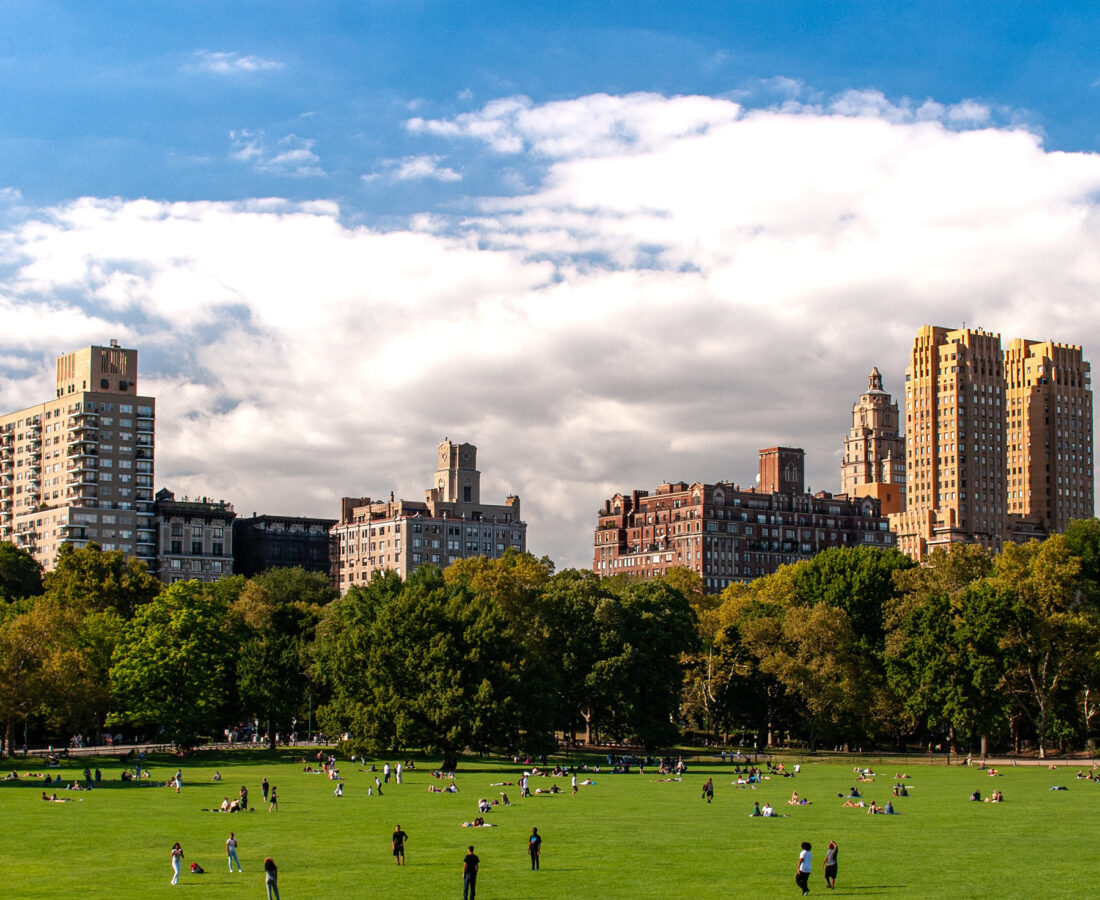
(138, 99)
(611, 244)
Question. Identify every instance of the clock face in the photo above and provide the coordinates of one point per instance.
(466, 455)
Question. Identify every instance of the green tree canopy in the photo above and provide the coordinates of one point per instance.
(20, 573)
(90, 578)
(171, 667)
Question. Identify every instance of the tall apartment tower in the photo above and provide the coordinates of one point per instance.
(954, 442)
(1049, 433)
(998, 444)
(874, 450)
(79, 467)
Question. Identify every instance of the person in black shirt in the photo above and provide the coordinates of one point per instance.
(534, 848)
(470, 863)
(399, 838)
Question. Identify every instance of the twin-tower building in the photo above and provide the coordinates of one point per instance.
(997, 442)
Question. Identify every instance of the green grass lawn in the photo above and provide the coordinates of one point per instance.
(627, 836)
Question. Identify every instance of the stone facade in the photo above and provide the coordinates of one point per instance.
(194, 538)
(451, 523)
(874, 450)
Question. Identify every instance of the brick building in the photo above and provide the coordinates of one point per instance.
(450, 524)
(727, 533)
(998, 444)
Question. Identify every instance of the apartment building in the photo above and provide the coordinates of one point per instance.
(278, 542)
(194, 538)
(1048, 407)
(451, 523)
(998, 443)
(874, 450)
(79, 467)
(727, 533)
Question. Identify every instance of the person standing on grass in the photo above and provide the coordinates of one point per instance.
(574, 784)
(271, 879)
(274, 800)
(231, 852)
(830, 865)
(177, 862)
(265, 787)
(179, 779)
(805, 867)
(398, 843)
(534, 848)
(470, 862)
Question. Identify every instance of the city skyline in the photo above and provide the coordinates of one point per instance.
(338, 237)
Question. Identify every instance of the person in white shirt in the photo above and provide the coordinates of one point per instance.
(231, 852)
(805, 866)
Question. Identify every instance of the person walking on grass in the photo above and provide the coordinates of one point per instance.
(470, 863)
(534, 848)
(830, 865)
(274, 800)
(805, 867)
(271, 879)
(177, 862)
(231, 852)
(398, 843)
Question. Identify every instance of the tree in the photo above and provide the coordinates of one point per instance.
(340, 653)
(859, 580)
(20, 573)
(1052, 634)
(90, 578)
(171, 667)
(644, 632)
(444, 672)
(816, 657)
(280, 609)
(943, 658)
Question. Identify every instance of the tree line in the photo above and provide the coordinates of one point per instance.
(856, 647)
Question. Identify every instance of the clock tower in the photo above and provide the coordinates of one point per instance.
(457, 479)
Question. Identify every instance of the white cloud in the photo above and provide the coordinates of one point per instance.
(290, 155)
(414, 168)
(688, 281)
(231, 63)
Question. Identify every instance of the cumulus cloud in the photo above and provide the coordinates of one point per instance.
(414, 168)
(290, 155)
(231, 63)
(687, 281)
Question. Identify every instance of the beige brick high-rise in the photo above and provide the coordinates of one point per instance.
(1049, 406)
(998, 444)
(79, 467)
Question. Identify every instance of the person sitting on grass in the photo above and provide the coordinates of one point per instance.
(504, 799)
(976, 796)
(858, 805)
(997, 797)
(873, 809)
(217, 776)
(755, 810)
(889, 810)
(225, 805)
